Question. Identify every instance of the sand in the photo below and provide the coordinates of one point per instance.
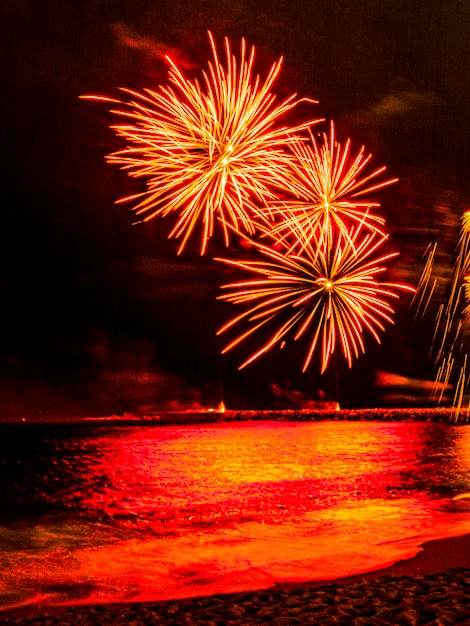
(431, 589)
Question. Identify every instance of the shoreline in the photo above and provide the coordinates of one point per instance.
(432, 587)
(435, 556)
(449, 415)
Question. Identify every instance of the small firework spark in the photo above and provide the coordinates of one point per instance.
(208, 149)
(330, 292)
(331, 186)
(425, 289)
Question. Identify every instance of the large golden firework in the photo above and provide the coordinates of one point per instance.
(208, 149)
(330, 188)
(330, 291)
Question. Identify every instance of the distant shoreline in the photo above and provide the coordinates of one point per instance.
(173, 418)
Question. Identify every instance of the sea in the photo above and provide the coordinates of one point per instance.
(105, 513)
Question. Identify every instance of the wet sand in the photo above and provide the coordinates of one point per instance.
(430, 589)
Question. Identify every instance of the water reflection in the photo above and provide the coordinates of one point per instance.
(270, 468)
(140, 512)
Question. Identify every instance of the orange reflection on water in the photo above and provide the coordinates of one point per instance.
(167, 512)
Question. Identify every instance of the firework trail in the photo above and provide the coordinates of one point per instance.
(210, 148)
(442, 381)
(450, 313)
(459, 391)
(330, 188)
(461, 266)
(464, 264)
(450, 353)
(330, 292)
(424, 292)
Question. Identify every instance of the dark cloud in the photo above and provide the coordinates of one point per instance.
(150, 47)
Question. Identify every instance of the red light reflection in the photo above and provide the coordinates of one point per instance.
(172, 512)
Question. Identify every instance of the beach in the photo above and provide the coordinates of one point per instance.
(398, 486)
(431, 589)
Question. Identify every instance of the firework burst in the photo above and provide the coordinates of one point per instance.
(329, 292)
(330, 188)
(208, 149)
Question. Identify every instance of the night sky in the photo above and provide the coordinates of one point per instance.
(101, 316)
